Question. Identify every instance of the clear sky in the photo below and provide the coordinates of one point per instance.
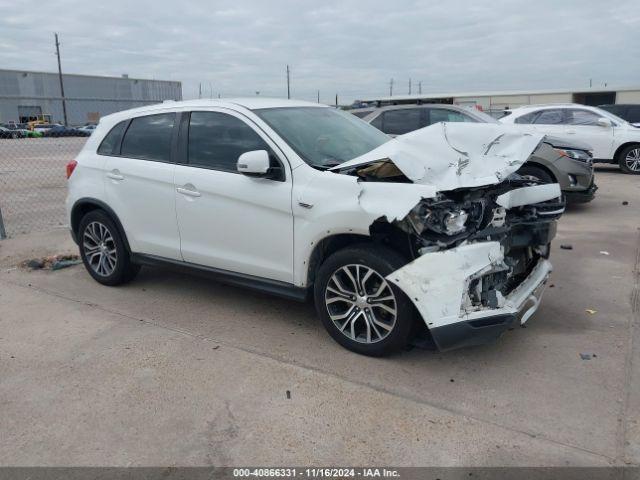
(349, 47)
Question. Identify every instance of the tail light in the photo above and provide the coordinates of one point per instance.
(71, 166)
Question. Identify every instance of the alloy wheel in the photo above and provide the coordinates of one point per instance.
(99, 249)
(361, 303)
(632, 160)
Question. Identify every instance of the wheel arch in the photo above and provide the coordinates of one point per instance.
(327, 246)
(85, 205)
(616, 156)
(542, 167)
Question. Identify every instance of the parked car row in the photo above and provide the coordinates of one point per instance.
(580, 133)
(18, 130)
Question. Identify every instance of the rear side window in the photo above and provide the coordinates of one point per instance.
(216, 140)
(549, 117)
(444, 115)
(149, 137)
(527, 118)
(399, 122)
(112, 141)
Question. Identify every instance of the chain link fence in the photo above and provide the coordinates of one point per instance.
(33, 158)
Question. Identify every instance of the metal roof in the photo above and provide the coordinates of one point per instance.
(503, 93)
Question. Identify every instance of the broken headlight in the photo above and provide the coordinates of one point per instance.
(443, 219)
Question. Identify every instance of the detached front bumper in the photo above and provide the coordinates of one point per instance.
(437, 284)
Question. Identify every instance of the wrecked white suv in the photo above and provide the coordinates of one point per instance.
(431, 230)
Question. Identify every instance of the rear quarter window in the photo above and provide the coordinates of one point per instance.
(111, 141)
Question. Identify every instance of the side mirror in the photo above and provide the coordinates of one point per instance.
(604, 122)
(255, 163)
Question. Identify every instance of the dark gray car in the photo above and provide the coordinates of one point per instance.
(556, 160)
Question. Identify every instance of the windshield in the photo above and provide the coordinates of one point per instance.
(324, 137)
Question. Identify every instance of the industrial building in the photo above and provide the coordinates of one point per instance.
(26, 96)
(495, 102)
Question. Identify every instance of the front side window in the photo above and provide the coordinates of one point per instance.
(581, 117)
(444, 115)
(216, 140)
(549, 117)
(322, 136)
(112, 140)
(399, 122)
(149, 137)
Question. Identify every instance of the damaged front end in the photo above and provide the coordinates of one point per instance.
(479, 251)
(479, 261)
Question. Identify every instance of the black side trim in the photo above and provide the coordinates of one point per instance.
(473, 332)
(103, 206)
(273, 287)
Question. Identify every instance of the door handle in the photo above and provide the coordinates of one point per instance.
(188, 192)
(115, 175)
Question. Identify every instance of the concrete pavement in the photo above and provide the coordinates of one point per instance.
(177, 370)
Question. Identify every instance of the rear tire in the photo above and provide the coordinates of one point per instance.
(360, 309)
(103, 250)
(629, 159)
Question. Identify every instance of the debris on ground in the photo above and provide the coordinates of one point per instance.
(588, 356)
(591, 311)
(288, 394)
(52, 262)
(625, 203)
(604, 252)
(566, 246)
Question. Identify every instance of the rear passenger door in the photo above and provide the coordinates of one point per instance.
(227, 220)
(139, 182)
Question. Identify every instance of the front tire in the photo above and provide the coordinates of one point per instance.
(535, 173)
(629, 159)
(360, 309)
(103, 250)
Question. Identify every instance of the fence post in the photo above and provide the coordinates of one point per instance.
(3, 232)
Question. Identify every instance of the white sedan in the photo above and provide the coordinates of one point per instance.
(613, 139)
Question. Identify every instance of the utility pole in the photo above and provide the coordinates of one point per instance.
(420, 88)
(288, 83)
(336, 100)
(210, 90)
(64, 102)
(391, 87)
(318, 96)
(200, 90)
(409, 86)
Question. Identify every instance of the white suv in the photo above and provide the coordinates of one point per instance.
(291, 197)
(613, 139)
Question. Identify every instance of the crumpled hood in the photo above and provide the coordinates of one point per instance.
(448, 156)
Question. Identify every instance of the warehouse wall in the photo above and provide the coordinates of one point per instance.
(87, 96)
